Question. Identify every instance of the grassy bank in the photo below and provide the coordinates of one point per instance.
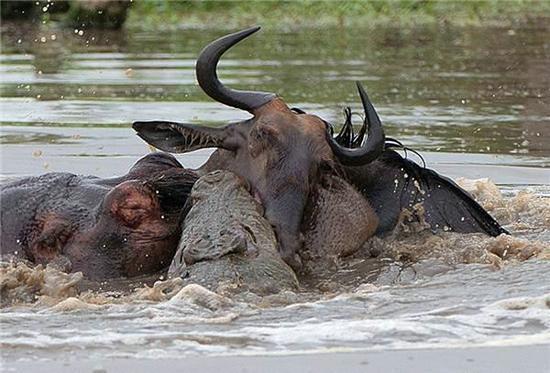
(157, 14)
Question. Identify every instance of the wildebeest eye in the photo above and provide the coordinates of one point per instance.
(297, 110)
(264, 134)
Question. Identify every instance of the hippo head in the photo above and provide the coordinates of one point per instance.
(122, 227)
(280, 151)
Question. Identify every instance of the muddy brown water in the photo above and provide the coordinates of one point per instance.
(474, 101)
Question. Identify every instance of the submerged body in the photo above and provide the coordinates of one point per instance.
(105, 228)
(337, 221)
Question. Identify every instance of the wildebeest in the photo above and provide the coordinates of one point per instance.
(286, 154)
(106, 228)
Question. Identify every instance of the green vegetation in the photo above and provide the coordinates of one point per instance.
(146, 14)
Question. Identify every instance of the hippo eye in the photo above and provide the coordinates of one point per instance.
(112, 242)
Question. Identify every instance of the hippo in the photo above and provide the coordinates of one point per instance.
(288, 157)
(105, 228)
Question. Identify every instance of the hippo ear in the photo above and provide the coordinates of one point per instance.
(182, 137)
(162, 196)
(131, 202)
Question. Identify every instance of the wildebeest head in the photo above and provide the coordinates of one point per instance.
(281, 152)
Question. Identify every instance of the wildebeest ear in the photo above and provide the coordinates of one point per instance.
(182, 137)
(393, 183)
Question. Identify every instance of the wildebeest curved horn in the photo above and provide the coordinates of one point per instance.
(208, 78)
(372, 148)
